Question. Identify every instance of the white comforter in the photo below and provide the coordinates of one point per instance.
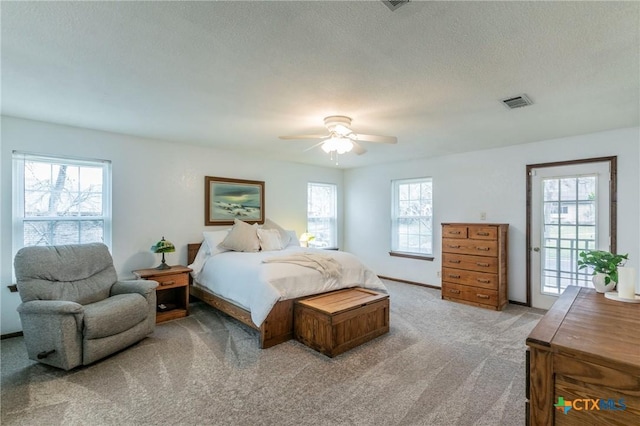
(245, 280)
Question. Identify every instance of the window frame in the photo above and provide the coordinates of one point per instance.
(333, 219)
(18, 214)
(395, 217)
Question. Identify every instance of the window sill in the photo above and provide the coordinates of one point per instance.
(427, 257)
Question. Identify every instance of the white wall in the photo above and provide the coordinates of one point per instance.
(491, 181)
(158, 189)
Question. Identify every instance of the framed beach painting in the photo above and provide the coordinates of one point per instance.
(228, 199)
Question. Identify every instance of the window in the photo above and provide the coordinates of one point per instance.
(60, 200)
(322, 214)
(412, 216)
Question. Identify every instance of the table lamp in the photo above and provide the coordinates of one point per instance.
(305, 238)
(163, 246)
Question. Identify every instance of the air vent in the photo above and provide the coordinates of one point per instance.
(394, 4)
(517, 102)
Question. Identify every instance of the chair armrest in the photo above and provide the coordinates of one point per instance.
(49, 307)
(143, 287)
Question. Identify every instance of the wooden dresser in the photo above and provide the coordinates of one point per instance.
(583, 362)
(474, 264)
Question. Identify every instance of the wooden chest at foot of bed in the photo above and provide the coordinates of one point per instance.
(335, 322)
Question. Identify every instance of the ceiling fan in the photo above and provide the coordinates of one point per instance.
(341, 138)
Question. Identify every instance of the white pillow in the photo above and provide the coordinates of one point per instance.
(199, 261)
(269, 240)
(293, 241)
(284, 235)
(242, 237)
(212, 240)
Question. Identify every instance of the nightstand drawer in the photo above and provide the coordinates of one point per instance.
(173, 280)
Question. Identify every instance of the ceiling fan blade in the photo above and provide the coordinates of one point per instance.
(304, 137)
(313, 146)
(376, 138)
(357, 148)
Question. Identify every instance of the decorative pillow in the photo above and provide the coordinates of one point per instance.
(212, 240)
(269, 240)
(284, 235)
(242, 237)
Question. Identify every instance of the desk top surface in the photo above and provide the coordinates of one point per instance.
(584, 322)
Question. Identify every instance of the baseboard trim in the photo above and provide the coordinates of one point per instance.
(438, 288)
(10, 335)
(19, 333)
(409, 282)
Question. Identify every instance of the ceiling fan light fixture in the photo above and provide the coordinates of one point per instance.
(338, 145)
(341, 130)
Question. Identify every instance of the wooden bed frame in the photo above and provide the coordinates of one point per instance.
(276, 328)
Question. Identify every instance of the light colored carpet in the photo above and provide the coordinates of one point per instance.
(442, 363)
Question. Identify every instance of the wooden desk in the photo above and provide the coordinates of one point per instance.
(585, 348)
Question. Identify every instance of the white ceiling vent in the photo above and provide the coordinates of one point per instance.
(517, 101)
(394, 4)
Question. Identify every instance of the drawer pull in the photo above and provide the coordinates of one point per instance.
(454, 261)
(482, 296)
(483, 280)
(483, 248)
(482, 264)
(482, 234)
(168, 283)
(454, 232)
(452, 246)
(454, 276)
(454, 291)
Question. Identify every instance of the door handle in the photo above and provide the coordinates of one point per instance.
(536, 249)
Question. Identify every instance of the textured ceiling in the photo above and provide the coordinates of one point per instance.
(236, 75)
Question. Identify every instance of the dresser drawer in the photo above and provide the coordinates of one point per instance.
(454, 231)
(470, 294)
(172, 280)
(469, 262)
(482, 232)
(471, 278)
(475, 247)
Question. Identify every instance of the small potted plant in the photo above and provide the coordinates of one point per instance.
(605, 267)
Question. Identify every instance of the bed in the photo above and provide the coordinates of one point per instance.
(258, 290)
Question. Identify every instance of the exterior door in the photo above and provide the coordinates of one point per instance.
(570, 212)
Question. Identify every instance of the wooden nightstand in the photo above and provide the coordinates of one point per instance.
(172, 293)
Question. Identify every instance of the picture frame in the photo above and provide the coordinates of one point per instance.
(227, 199)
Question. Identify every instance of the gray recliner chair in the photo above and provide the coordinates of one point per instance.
(74, 310)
